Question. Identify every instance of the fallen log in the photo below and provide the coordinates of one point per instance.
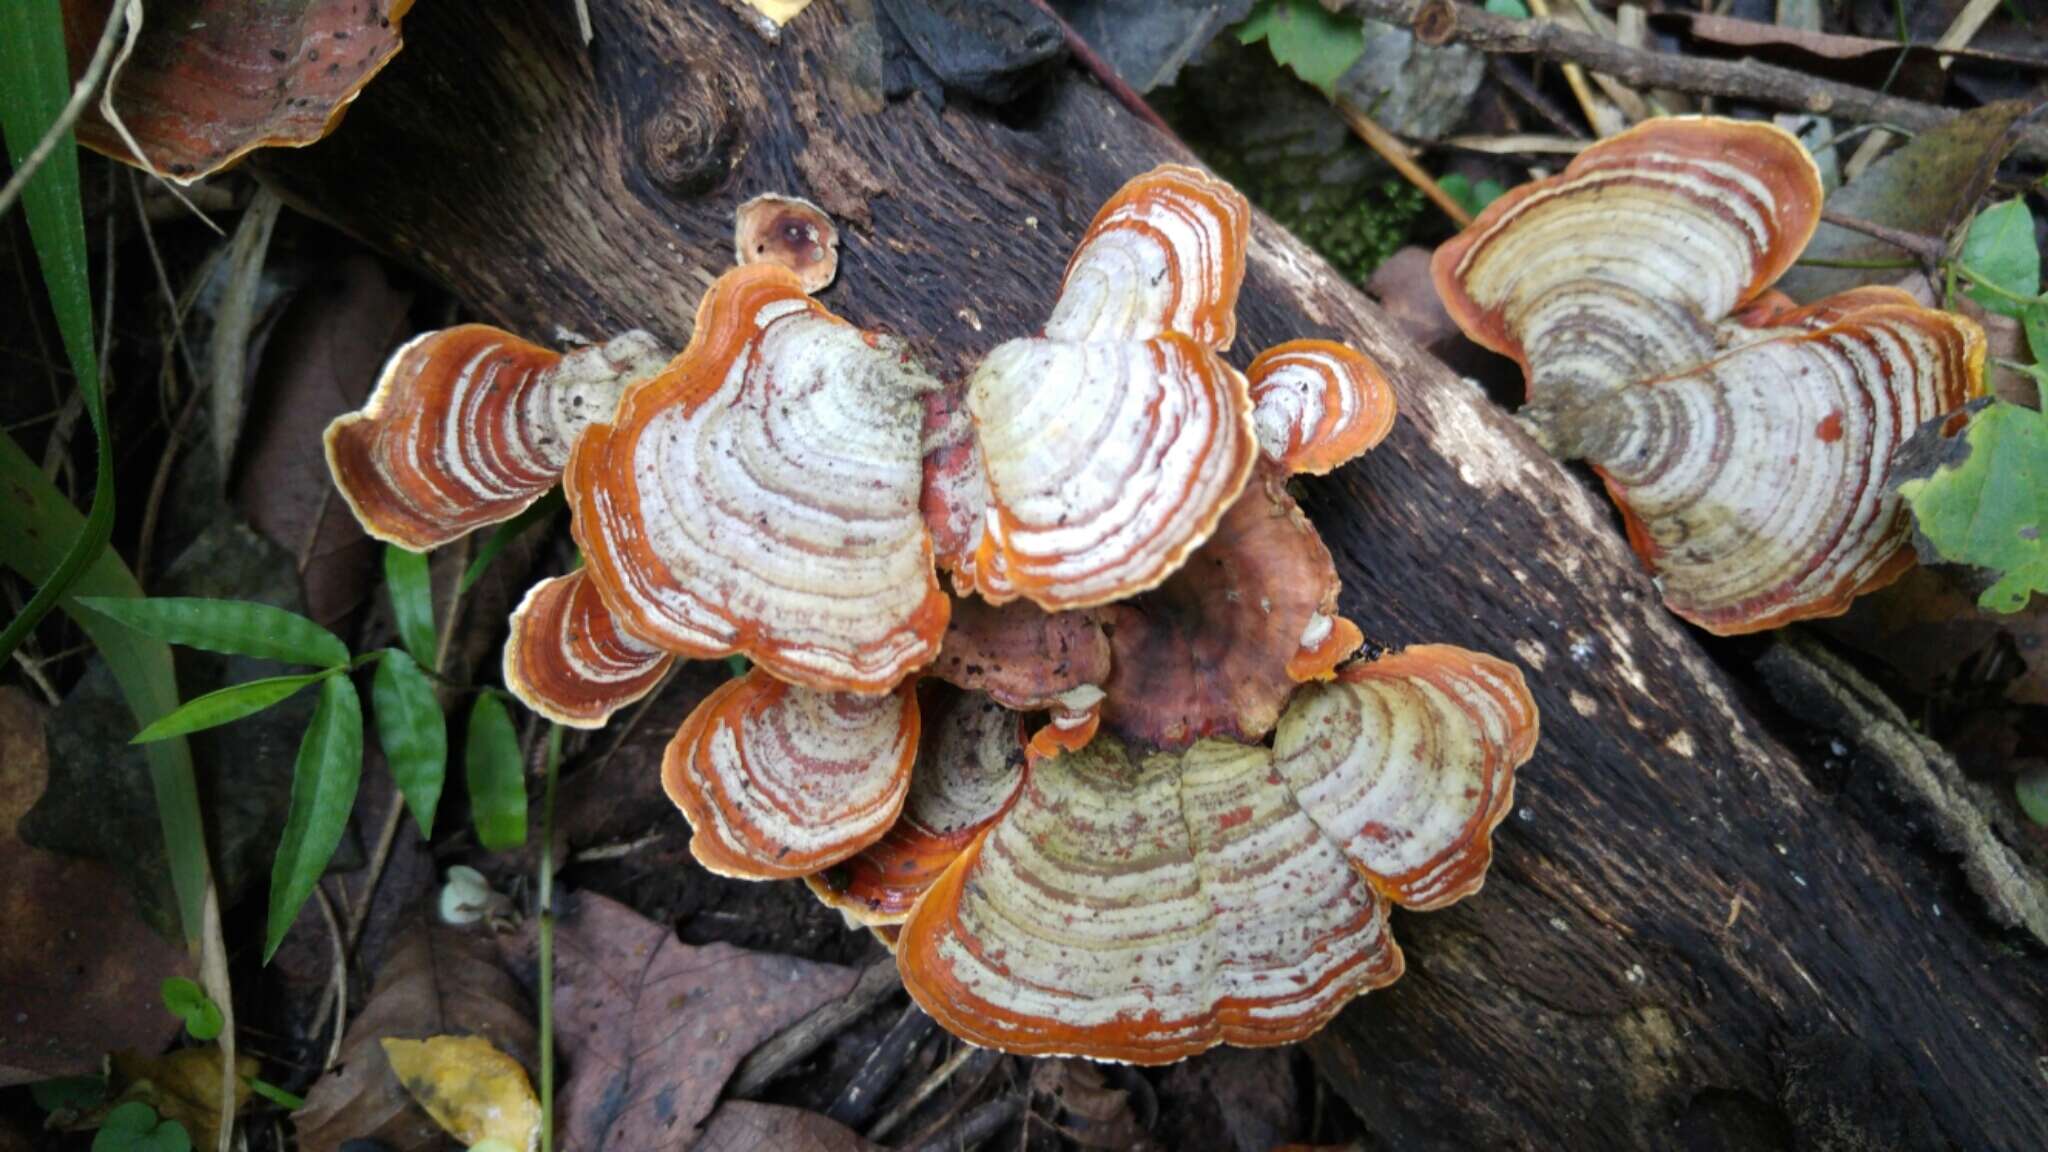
(1687, 941)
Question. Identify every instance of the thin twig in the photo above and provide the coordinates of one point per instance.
(547, 940)
(932, 1082)
(1395, 153)
(112, 115)
(1440, 22)
(81, 95)
(1525, 144)
(340, 977)
(1928, 248)
(1959, 34)
(1513, 78)
(785, 1048)
(1103, 73)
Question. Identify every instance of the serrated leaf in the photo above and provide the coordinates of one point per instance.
(1999, 247)
(237, 627)
(413, 734)
(535, 513)
(226, 705)
(1316, 44)
(411, 587)
(190, 1003)
(324, 779)
(1979, 496)
(2032, 790)
(496, 775)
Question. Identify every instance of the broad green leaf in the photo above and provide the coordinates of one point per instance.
(536, 512)
(190, 1003)
(1471, 197)
(1999, 247)
(36, 87)
(239, 627)
(1512, 9)
(496, 775)
(1317, 44)
(413, 734)
(69, 1093)
(324, 780)
(1980, 496)
(2032, 789)
(412, 600)
(227, 705)
(135, 1127)
(35, 521)
(2035, 321)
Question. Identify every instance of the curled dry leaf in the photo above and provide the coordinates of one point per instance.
(779, 781)
(472, 1090)
(212, 80)
(1113, 443)
(437, 982)
(1748, 441)
(969, 767)
(568, 659)
(761, 495)
(470, 425)
(790, 232)
(652, 1028)
(1146, 908)
(182, 1086)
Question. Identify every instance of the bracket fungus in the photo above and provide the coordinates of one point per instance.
(468, 426)
(1144, 908)
(1748, 441)
(791, 232)
(761, 495)
(1114, 442)
(568, 660)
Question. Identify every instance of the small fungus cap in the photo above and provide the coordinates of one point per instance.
(790, 232)
(568, 660)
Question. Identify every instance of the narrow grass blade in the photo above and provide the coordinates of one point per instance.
(239, 627)
(324, 780)
(227, 705)
(413, 733)
(496, 776)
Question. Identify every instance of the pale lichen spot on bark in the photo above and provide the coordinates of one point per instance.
(1584, 705)
(1533, 653)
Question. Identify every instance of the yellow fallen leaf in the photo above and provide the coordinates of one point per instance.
(780, 11)
(184, 1086)
(473, 1091)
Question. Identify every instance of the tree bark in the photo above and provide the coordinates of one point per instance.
(1688, 940)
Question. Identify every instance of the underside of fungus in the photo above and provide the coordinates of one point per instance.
(761, 495)
(1747, 439)
(779, 781)
(1145, 907)
(1113, 443)
(470, 425)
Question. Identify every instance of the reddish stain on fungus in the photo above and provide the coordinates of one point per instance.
(1830, 429)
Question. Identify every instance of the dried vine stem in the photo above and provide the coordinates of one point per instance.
(1446, 21)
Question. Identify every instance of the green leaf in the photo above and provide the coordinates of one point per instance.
(35, 520)
(1512, 9)
(1999, 247)
(324, 780)
(227, 705)
(2035, 321)
(69, 1093)
(239, 627)
(1980, 496)
(412, 600)
(135, 1127)
(190, 1003)
(540, 510)
(2032, 790)
(274, 1094)
(496, 775)
(1317, 44)
(32, 99)
(413, 734)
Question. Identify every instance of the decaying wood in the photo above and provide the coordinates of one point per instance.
(1447, 22)
(1686, 942)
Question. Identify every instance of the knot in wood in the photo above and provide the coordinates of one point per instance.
(687, 140)
(1436, 22)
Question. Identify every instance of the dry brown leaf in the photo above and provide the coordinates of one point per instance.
(472, 1090)
(438, 981)
(1089, 1111)
(1927, 628)
(79, 970)
(182, 1086)
(652, 1027)
(742, 1126)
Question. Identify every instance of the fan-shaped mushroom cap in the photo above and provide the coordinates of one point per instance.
(212, 80)
(1618, 269)
(1408, 763)
(791, 232)
(1318, 403)
(568, 660)
(1218, 649)
(779, 781)
(1755, 485)
(1145, 911)
(761, 495)
(470, 425)
(970, 765)
(1113, 444)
